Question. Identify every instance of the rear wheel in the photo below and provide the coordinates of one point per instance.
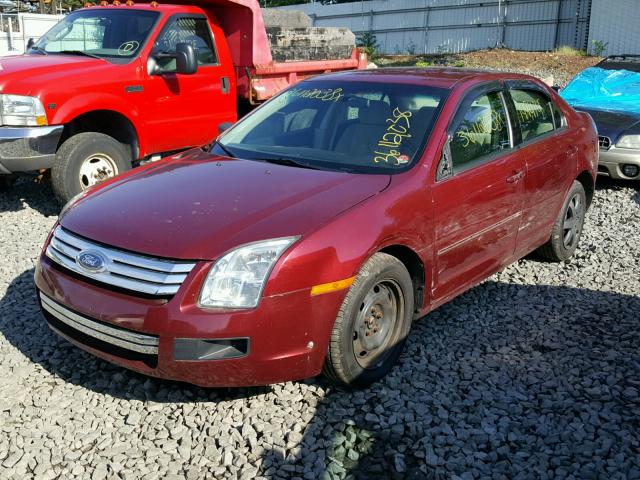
(568, 227)
(87, 159)
(372, 325)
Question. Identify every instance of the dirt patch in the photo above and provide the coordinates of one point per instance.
(561, 66)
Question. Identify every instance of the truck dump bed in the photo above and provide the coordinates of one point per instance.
(269, 61)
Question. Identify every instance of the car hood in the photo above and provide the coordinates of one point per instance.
(201, 206)
(28, 74)
(612, 124)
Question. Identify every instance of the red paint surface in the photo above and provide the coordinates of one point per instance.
(463, 229)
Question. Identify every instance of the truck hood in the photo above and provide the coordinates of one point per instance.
(202, 206)
(27, 74)
(612, 124)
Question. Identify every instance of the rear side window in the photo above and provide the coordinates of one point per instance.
(483, 131)
(186, 30)
(535, 113)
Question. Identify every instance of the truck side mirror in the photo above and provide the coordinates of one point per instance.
(30, 43)
(186, 60)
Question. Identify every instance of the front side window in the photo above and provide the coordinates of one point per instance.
(115, 35)
(535, 113)
(364, 127)
(482, 131)
(185, 30)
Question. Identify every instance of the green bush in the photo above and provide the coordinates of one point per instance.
(369, 42)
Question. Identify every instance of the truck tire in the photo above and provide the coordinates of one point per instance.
(567, 228)
(6, 182)
(87, 159)
(372, 325)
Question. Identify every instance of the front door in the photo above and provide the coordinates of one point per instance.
(185, 110)
(477, 199)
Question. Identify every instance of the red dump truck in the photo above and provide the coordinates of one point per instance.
(117, 84)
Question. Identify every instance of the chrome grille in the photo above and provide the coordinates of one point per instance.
(605, 142)
(138, 273)
(134, 341)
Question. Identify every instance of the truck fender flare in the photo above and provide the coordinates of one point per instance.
(77, 107)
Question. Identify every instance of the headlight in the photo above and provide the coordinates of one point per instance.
(237, 279)
(21, 111)
(629, 141)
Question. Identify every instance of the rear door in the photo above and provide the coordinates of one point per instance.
(185, 110)
(478, 194)
(540, 131)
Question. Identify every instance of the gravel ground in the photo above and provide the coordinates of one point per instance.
(533, 374)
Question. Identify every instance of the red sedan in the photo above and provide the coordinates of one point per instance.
(312, 233)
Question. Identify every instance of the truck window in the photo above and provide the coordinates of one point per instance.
(185, 30)
(115, 35)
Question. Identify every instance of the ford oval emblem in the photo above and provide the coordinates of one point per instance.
(92, 261)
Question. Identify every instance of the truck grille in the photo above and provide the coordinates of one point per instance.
(137, 273)
(605, 142)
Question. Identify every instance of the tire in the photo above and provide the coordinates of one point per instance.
(567, 229)
(85, 160)
(382, 286)
(6, 182)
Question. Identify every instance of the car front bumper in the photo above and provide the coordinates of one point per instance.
(612, 162)
(23, 149)
(286, 336)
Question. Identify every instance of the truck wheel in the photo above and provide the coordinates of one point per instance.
(372, 324)
(87, 159)
(6, 182)
(568, 227)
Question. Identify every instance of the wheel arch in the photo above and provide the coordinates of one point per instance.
(415, 266)
(588, 183)
(108, 122)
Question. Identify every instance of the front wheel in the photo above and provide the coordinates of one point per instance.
(372, 325)
(87, 159)
(568, 226)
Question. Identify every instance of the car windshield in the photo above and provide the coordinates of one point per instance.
(361, 127)
(116, 35)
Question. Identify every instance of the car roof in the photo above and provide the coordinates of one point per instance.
(440, 77)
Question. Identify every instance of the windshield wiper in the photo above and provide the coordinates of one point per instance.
(225, 149)
(289, 162)
(80, 52)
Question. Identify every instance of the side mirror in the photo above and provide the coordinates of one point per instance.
(30, 43)
(224, 126)
(186, 60)
(185, 56)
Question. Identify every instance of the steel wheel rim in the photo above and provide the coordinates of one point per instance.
(572, 222)
(374, 330)
(95, 169)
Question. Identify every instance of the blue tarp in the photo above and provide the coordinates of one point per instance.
(602, 89)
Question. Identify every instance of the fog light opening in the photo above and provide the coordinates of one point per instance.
(210, 349)
(630, 170)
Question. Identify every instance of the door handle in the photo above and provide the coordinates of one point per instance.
(225, 85)
(515, 177)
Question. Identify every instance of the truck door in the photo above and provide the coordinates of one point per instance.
(185, 110)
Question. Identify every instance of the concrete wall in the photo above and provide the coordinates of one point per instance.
(432, 26)
(16, 29)
(616, 22)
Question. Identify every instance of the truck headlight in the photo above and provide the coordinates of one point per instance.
(629, 141)
(237, 279)
(21, 111)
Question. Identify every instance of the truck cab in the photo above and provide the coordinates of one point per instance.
(117, 84)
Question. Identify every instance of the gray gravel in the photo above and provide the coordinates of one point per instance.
(533, 374)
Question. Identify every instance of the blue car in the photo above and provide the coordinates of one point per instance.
(610, 93)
